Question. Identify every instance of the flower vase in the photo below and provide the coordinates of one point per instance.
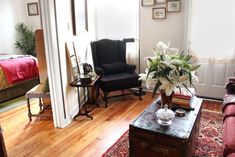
(165, 99)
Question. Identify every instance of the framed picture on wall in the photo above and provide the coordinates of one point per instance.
(159, 13)
(147, 3)
(160, 1)
(79, 16)
(173, 6)
(32, 9)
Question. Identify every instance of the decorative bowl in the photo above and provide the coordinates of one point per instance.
(165, 116)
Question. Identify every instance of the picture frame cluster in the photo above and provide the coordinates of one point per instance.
(162, 7)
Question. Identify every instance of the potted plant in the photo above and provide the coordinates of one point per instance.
(25, 39)
(169, 70)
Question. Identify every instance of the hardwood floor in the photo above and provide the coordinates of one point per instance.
(83, 137)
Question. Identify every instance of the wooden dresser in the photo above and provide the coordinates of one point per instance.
(148, 138)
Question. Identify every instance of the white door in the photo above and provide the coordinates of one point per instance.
(213, 77)
(212, 40)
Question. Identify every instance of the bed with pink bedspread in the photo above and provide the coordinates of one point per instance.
(18, 74)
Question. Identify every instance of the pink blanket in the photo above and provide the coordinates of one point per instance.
(19, 69)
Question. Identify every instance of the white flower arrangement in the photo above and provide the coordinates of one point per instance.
(169, 69)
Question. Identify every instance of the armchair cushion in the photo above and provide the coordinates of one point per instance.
(119, 81)
(112, 68)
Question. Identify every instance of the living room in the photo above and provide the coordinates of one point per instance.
(85, 137)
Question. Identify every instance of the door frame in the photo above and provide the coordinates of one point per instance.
(50, 32)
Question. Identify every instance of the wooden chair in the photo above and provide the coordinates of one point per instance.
(40, 91)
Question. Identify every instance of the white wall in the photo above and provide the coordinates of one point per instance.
(153, 30)
(215, 26)
(12, 12)
(34, 22)
(116, 19)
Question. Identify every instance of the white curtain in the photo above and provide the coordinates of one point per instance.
(212, 32)
(132, 54)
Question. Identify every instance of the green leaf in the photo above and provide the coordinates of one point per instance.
(195, 67)
(158, 84)
(161, 57)
(169, 79)
(181, 56)
(150, 70)
(150, 60)
(188, 57)
(187, 66)
(190, 78)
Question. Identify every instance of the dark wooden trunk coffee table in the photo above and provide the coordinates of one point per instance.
(150, 139)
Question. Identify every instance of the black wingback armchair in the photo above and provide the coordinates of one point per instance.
(109, 58)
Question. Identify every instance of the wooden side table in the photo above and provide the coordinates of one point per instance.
(86, 87)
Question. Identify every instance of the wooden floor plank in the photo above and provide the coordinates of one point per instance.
(83, 137)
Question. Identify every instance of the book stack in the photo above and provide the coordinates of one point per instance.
(183, 98)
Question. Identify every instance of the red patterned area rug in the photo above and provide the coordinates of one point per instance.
(209, 139)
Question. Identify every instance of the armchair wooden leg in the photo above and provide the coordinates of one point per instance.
(97, 91)
(40, 105)
(29, 110)
(106, 98)
(140, 92)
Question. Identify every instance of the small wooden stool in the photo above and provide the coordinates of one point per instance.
(40, 91)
